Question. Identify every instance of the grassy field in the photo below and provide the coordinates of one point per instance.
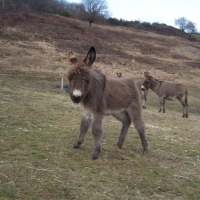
(39, 127)
(39, 124)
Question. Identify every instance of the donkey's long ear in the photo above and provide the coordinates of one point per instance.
(90, 58)
(72, 58)
(146, 74)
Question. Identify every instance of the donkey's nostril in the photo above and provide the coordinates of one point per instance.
(143, 88)
(76, 99)
(76, 96)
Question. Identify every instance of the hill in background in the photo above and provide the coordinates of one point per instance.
(36, 43)
(39, 122)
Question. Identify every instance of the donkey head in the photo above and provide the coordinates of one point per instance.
(147, 82)
(79, 75)
(119, 74)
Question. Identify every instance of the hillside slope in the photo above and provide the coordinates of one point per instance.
(39, 124)
(35, 43)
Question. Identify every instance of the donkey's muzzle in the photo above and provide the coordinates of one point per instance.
(76, 99)
(76, 96)
(143, 89)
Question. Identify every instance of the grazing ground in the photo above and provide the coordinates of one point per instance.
(39, 124)
(39, 128)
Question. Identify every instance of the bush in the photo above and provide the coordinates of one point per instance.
(122, 22)
(116, 22)
(113, 21)
(64, 13)
(149, 26)
(192, 38)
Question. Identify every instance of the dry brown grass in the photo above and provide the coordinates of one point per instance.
(41, 42)
(38, 127)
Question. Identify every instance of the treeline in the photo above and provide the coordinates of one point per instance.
(162, 29)
(48, 6)
(97, 10)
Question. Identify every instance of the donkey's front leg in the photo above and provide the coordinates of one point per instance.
(163, 105)
(97, 131)
(144, 102)
(85, 124)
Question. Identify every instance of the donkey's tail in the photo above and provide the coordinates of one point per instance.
(186, 96)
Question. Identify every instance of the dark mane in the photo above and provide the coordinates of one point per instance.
(156, 80)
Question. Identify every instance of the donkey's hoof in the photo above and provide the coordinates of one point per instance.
(145, 147)
(94, 157)
(160, 110)
(96, 153)
(119, 145)
(76, 145)
(145, 151)
(183, 115)
(144, 107)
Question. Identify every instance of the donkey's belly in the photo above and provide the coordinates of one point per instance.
(114, 112)
(171, 98)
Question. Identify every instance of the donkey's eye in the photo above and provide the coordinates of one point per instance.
(86, 81)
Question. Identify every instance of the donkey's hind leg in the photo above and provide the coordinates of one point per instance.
(85, 124)
(135, 113)
(126, 122)
(185, 106)
(163, 105)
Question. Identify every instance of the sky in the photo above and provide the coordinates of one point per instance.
(161, 11)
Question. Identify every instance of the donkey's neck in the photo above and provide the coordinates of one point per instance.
(155, 85)
(94, 96)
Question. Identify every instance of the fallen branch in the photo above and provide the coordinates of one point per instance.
(45, 170)
(8, 178)
(183, 177)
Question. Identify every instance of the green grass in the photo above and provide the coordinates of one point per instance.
(37, 161)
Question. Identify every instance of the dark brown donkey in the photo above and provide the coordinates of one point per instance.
(100, 95)
(143, 93)
(169, 91)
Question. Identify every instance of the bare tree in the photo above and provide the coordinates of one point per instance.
(93, 9)
(190, 27)
(181, 23)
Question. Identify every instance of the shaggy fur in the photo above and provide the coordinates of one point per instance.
(143, 93)
(102, 95)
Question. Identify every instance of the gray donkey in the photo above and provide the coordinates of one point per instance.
(169, 91)
(143, 93)
(101, 95)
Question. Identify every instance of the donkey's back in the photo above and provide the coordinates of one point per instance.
(172, 91)
(120, 93)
